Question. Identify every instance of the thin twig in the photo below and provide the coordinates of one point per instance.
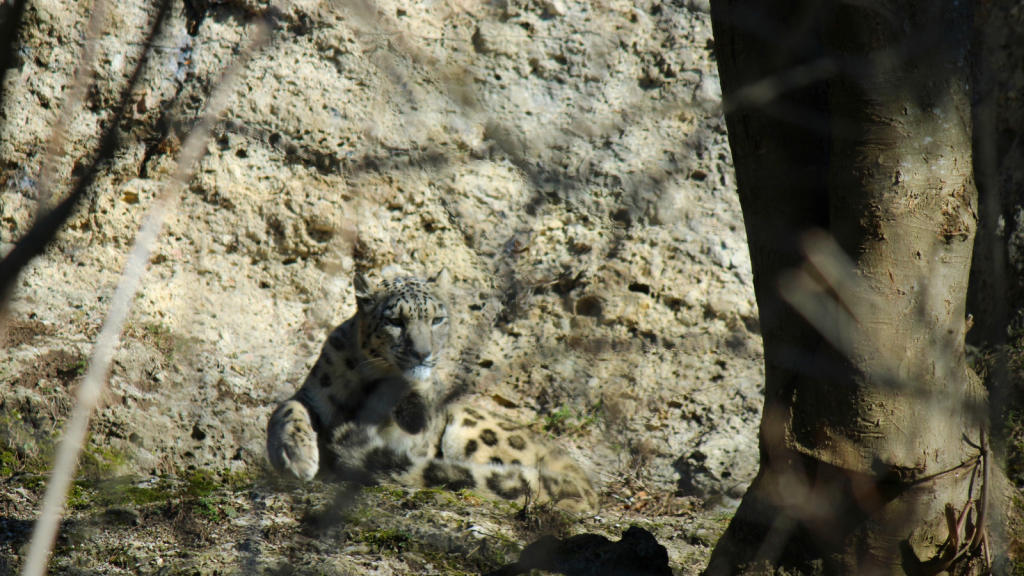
(986, 459)
(66, 462)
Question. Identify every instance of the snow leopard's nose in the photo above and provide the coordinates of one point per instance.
(418, 347)
(419, 343)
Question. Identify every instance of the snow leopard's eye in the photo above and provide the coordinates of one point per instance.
(439, 320)
(395, 321)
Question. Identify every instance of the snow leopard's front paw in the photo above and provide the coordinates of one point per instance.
(291, 441)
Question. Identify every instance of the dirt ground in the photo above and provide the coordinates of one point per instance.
(565, 159)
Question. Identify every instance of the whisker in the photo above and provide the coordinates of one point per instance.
(377, 364)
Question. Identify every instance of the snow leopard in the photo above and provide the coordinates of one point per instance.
(372, 410)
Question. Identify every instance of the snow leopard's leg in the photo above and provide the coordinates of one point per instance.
(292, 441)
(357, 453)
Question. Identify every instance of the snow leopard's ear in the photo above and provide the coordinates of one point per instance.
(365, 291)
(441, 281)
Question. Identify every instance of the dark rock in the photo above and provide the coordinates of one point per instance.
(636, 554)
(124, 515)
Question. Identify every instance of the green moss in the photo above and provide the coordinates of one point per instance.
(22, 447)
(383, 540)
(86, 493)
(357, 516)
(79, 495)
(237, 481)
(197, 494)
(121, 558)
(387, 492)
(141, 496)
(200, 484)
(445, 564)
(101, 461)
(122, 491)
(723, 518)
(33, 482)
(430, 496)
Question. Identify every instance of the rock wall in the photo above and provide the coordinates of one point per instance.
(565, 159)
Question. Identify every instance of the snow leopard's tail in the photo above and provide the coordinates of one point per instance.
(374, 462)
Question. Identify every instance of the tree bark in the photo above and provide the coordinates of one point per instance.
(866, 436)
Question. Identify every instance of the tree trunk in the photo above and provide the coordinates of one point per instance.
(855, 118)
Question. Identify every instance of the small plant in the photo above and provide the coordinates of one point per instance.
(207, 509)
(466, 496)
(566, 421)
(557, 421)
(161, 336)
(535, 519)
(631, 490)
(72, 370)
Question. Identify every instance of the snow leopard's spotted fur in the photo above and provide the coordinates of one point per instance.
(371, 410)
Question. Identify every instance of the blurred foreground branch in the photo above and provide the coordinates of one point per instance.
(66, 461)
(82, 81)
(48, 223)
(9, 32)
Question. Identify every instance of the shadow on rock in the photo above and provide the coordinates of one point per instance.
(636, 554)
